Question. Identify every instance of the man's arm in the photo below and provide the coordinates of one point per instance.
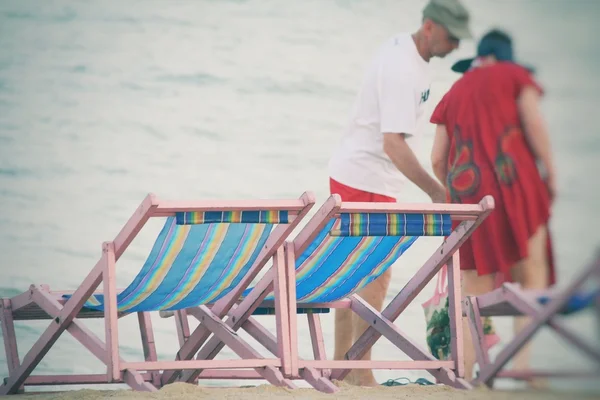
(439, 153)
(395, 146)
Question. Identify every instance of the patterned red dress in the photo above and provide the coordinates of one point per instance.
(489, 155)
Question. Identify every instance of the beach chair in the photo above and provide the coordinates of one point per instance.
(207, 252)
(546, 308)
(340, 250)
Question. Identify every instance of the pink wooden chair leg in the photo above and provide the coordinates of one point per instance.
(290, 274)
(183, 326)
(10, 337)
(455, 314)
(111, 320)
(148, 344)
(282, 317)
(477, 334)
(318, 343)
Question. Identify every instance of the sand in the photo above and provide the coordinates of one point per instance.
(192, 392)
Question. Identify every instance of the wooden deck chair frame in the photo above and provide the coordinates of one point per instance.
(39, 303)
(449, 372)
(511, 300)
(320, 372)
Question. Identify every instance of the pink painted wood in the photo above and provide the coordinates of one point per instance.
(48, 303)
(224, 305)
(476, 329)
(241, 313)
(473, 210)
(201, 364)
(148, 344)
(261, 335)
(53, 332)
(282, 312)
(267, 339)
(83, 335)
(423, 276)
(290, 291)
(292, 206)
(316, 335)
(20, 301)
(111, 321)
(229, 374)
(488, 372)
(312, 228)
(375, 364)
(344, 303)
(81, 379)
(528, 306)
(183, 326)
(10, 337)
(228, 336)
(68, 310)
(134, 225)
(527, 375)
(443, 374)
(137, 382)
(455, 314)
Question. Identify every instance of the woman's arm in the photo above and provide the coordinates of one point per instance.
(439, 153)
(536, 133)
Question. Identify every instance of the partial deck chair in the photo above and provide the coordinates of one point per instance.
(207, 252)
(549, 308)
(339, 251)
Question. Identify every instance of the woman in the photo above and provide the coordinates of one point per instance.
(491, 140)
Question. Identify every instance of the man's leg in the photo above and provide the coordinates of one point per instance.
(348, 327)
(343, 332)
(374, 294)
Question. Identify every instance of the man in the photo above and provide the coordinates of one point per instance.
(374, 160)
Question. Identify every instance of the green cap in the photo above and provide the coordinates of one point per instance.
(451, 14)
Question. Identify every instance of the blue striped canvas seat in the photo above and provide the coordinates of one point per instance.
(196, 259)
(354, 249)
(576, 303)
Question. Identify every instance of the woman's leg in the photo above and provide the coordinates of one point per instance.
(532, 273)
(473, 285)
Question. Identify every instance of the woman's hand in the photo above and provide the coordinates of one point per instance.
(551, 185)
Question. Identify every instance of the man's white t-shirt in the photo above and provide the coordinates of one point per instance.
(391, 100)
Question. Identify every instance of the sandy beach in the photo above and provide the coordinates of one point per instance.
(186, 391)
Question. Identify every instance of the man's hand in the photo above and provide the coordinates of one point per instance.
(438, 195)
(405, 160)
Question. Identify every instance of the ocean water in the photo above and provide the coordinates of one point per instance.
(102, 102)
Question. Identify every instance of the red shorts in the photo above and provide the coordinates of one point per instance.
(355, 195)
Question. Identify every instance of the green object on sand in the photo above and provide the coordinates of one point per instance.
(397, 382)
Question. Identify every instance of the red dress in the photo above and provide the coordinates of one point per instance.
(489, 155)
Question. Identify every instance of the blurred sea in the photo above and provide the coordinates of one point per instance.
(102, 102)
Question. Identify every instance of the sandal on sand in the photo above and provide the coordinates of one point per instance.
(396, 382)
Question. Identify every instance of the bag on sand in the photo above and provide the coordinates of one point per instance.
(438, 320)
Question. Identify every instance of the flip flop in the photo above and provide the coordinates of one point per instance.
(396, 382)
